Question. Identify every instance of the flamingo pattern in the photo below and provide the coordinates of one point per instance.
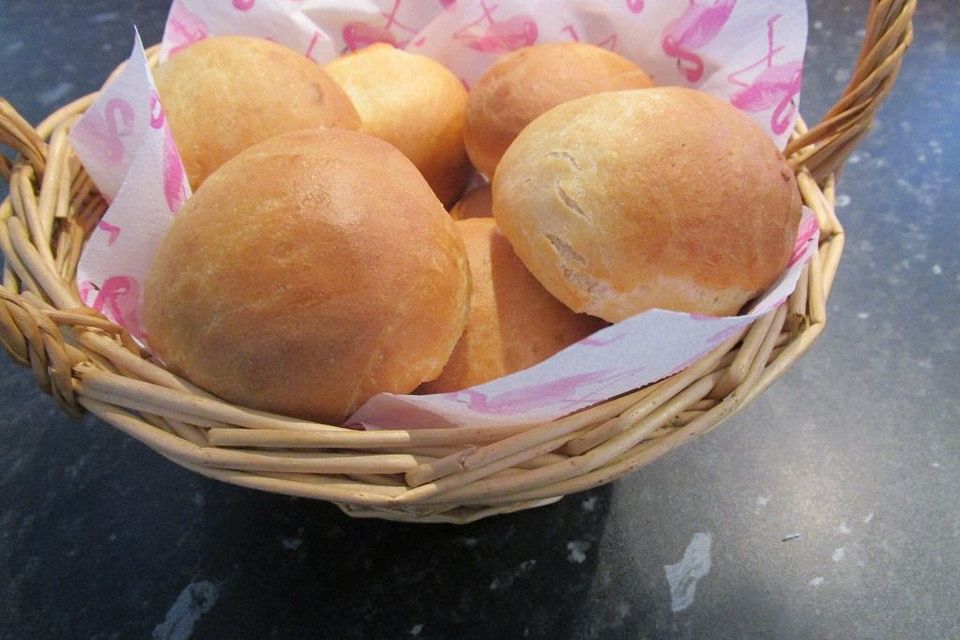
(105, 133)
(561, 390)
(609, 43)
(184, 28)
(693, 30)
(776, 86)
(808, 230)
(488, 35)
(358, 35)
(119, 299)
(594, 341)
(174, 175)
(112, 231)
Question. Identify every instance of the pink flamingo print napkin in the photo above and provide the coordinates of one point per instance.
(749, 52)
(127, 148)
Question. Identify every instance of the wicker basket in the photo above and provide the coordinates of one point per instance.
(451, 475)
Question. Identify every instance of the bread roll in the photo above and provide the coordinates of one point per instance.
(666, 197)
(513, 323)
(476, 204)
(527, 82)
(414, 103)
(225, 94)
(307, 274)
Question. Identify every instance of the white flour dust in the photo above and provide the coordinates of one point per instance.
(684, 575)
(196, 599)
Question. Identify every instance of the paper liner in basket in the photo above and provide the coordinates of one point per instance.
(748, 52)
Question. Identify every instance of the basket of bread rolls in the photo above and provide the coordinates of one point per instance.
(344, 239)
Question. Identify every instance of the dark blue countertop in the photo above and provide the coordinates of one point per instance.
(857, 448)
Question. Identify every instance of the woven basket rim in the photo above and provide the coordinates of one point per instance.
(429, 475)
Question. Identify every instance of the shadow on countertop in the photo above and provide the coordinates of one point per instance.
(324, 574)
(105, 539)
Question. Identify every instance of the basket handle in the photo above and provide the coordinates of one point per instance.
(889, 32)
(19, 135)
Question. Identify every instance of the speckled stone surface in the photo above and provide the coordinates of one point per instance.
(857, 448)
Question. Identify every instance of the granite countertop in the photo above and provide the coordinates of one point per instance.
(856, 449)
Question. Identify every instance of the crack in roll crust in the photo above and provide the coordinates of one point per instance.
(663, 197)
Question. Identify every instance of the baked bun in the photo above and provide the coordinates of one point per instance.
(527, 82)
(665, 197)
(477, 203)
(307, 274)
(513, 324)
(414, 103)
(228, 93)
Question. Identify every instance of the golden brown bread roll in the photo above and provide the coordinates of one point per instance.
(227, 93)
(307, 274)
(665, 197)
(477, 203)
(514, 323)
(414, 103)
(527, 82)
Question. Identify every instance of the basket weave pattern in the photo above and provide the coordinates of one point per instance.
(452, 475)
